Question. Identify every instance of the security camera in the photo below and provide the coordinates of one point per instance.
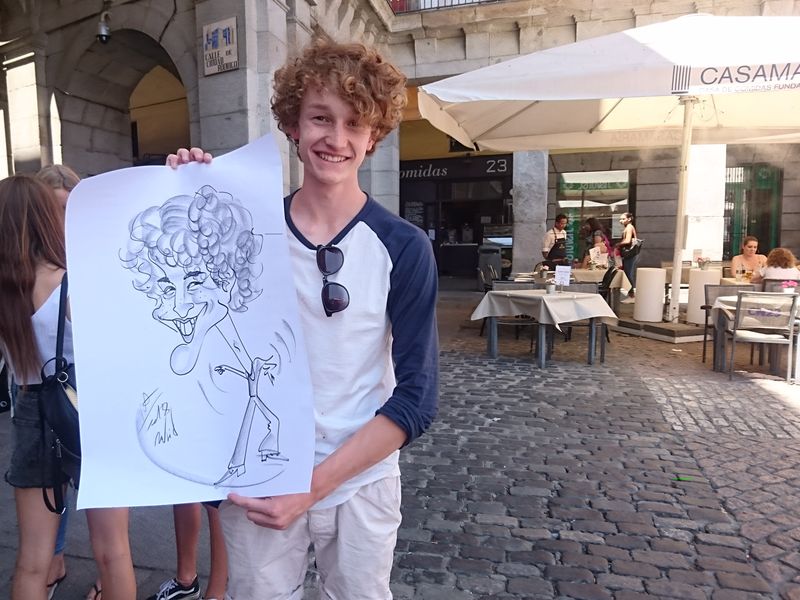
(103, 31)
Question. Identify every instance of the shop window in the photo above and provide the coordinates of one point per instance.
(752, 207)
(602, 195)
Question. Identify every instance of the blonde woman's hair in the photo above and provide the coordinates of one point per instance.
(59, 177)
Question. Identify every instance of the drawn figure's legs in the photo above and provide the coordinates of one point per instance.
(236, 463)
(270, 446)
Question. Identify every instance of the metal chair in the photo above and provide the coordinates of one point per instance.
(712, 293)
(775, 285)
(517, 321)
(590, 288)
(485, 286)
(764, 318)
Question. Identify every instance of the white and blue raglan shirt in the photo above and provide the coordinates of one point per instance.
(381, 354)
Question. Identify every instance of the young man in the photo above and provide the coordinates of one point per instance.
(554, 244)
(366, 285)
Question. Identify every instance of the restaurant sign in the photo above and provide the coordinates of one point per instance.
(499, 165)
(220, 47)
(737, 78)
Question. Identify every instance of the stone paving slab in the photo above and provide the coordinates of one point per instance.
(647, 477)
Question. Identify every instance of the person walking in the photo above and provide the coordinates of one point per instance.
(629, 261)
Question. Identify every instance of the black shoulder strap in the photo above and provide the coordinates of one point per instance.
(62, 317)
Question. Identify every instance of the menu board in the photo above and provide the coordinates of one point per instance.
(414, 212)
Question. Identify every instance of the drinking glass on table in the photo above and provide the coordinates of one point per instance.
(748, 275)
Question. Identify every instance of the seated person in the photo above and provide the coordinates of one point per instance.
(781, 264)
(598, 253)
(748, 260)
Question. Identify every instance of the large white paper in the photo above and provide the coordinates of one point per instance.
(191, 367)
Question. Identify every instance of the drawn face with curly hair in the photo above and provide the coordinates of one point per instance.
(188, 300)
(196, 257)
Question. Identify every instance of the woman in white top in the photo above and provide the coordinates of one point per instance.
(781, 264)
(32, 263)
(749, 260)
(629, 263)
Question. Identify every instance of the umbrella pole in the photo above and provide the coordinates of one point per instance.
(680, 219)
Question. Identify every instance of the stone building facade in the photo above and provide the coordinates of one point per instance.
(65, 96)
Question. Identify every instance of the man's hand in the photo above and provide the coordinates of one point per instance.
(276, 512)
(183, 156)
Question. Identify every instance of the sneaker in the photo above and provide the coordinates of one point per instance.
(173, 590)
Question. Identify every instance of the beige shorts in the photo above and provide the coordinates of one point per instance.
(353, 546)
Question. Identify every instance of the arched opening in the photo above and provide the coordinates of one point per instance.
(129, 80)
(55, 131)
(159, 116)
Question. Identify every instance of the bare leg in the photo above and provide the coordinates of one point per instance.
(57, 568)
(37, 537)
(218, 577)
(108, 530)
(187, 536)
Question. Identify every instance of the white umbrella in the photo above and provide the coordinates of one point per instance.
(698, 79)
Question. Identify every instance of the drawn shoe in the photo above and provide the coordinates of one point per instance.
(266, 453)
(173, 590)
(238, 470)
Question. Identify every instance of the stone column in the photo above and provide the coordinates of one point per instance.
(234, 105)
(28, 108)
(380, 173)
(705, 201)
(530, 208)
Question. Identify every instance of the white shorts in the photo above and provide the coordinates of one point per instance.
(353, 546)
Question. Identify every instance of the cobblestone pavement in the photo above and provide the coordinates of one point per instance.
(649, 476)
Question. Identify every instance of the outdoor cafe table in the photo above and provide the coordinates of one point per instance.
(547, 309)
(725, 309)
(620, 280)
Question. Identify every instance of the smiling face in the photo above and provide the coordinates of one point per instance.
(332, 139)
(188, 301)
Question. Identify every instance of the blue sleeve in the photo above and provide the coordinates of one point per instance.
(415, 347)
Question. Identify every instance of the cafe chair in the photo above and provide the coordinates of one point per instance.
(775, 285)
(486, 286)
(712, 293)
(600, 327)
(604, 289)
(518, 321)
(764, 318)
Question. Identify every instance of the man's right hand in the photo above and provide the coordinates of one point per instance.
(183, 156)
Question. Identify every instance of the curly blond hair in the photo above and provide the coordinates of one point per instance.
(374, 88)
(781, 257)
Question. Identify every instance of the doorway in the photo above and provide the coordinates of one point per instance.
(752, 207)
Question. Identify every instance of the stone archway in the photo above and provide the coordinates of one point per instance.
(94, 100)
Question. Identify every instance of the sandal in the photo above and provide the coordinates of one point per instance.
(52, 587)
(95, 593)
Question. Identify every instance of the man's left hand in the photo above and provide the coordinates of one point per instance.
(275, 512)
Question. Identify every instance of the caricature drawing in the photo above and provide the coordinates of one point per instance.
(196, 257)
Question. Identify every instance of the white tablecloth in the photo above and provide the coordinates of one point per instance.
(553, 309)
